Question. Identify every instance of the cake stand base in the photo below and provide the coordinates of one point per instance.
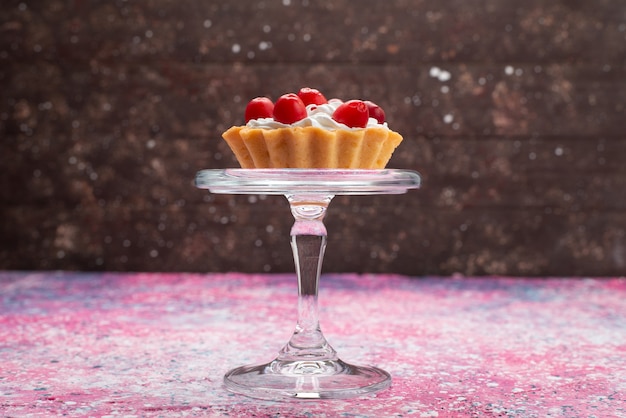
(303, 379)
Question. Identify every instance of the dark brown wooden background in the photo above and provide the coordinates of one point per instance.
(513, 112)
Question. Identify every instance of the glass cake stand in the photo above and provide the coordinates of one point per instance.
(307, 367)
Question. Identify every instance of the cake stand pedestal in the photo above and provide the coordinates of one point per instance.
(307, 367)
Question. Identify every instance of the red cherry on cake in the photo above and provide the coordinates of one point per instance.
(311, 96)
(353, 113)
(289, 108)
(376, 111)
(259, 107)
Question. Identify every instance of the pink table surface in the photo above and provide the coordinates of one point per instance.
(79, 344)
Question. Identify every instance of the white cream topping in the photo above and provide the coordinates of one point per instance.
(320, 116)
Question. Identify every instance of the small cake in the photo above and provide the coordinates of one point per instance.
(305, 130)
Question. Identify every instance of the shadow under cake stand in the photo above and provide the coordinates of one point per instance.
(307, 367)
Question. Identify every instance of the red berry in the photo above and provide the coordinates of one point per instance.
(311, 96)
(260, 107)
(289, 108)
(352, 113)
(376, 111)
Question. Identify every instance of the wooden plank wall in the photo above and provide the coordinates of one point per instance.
(513, 112)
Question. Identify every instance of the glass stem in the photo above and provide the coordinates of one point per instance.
(308, 242)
